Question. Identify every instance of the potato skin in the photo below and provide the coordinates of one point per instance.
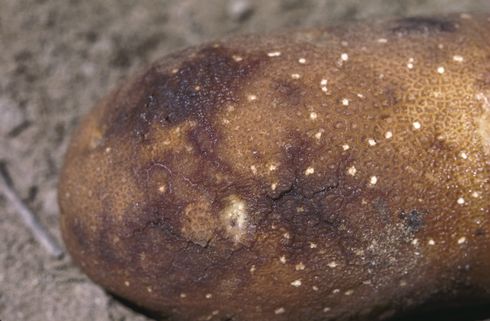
(338, 173)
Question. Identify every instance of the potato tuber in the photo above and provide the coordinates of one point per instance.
(325, 174)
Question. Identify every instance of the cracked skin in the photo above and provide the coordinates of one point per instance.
(325, 174)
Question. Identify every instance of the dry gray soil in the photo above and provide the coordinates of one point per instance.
(57, 58)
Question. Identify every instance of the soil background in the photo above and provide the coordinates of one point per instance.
(57, 58)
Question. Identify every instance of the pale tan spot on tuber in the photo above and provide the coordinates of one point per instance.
(296, 283)
(352, 171)
(279, 310)
(274, 54)
(235, 218)
(458, 58)
(309, 171)
(373, 180)
(462, 240)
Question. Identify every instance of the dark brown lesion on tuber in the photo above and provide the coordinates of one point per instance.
(204, 82)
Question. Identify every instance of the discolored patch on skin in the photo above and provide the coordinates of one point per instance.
(413, 220)
(291, 177)
(198, 223)
(424, 25)
(194, 88)
(289, 93)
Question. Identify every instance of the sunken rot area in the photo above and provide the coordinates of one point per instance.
(339, 173)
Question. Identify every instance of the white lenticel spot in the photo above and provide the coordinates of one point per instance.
(309, 171)
(349, 292)
(410, 65)
(272, 167)
(371, 142)
(323, 85)
(461, 240)
(344, 57)
(274, 54)
(208, 296)
(237, 58)
(296, 283)
(318, 135)
(313, 115)
(463, 155)
(313, 245)
(252, 269)
(475, 194)
(149, 289)
(273, 186)
(416, 125)
(295, 76)
(252, 97)
(302, 61)
(300, 266)
(458, 58)
(282, 259)
(461, 201)
(388, 134)
(345, 147)
(382, 40)
(326, 309)
(314, 288)
(345, 102)
(161, 189)
(431, 242)
(279, 311)
(332, 264)
(441, 70)
(253, 169)
(373, 180)
(352, 171)
(415, 241)
(183, 295)
(126, 283)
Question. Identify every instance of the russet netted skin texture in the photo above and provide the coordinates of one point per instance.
(338, 173)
